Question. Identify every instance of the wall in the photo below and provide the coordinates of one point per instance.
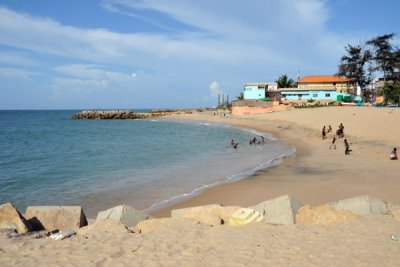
(252, 107)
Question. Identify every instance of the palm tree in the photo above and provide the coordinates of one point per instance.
(284, 82)
(240, 97)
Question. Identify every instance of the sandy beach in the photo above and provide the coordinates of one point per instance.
(315, 175)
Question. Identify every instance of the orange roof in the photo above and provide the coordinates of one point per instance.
(323, 79)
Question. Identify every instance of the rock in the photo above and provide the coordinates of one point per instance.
(224, 213)
(323, 215)
(203, 216)
(179, 212)
(125, 214)
(178, 223)
(245, 216)
(56, 217)
(11, 218)
(280, 210)
(115, 115)
(361, 205)
(392, 207)
(396, 214)
(104, 226)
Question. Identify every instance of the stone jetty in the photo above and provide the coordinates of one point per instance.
(116, 114)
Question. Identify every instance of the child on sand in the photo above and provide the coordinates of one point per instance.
(323, 133)
(348, 150)
(333, 143)
(393, 154)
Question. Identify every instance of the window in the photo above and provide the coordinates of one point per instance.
(327, 95)
(315, 95)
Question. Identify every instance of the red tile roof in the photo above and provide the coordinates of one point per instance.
(323, 79)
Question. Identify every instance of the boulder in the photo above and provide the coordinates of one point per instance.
(56, 217)
(280, 210)
(361, 205)
(223, 213)
(396, 214)
(323, 215)
(178, 224)
(104, 226)
(179, 212)
(11, 218)
(203, 216)
(245, 216)
(125, 214)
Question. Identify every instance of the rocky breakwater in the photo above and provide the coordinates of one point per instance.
(116, 115)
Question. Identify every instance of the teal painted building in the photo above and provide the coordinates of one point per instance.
(323, 87)
(258, 90)
(301, 94)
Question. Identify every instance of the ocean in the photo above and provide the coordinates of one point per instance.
(48, 159)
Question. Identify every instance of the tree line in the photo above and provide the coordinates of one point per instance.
(376, 57)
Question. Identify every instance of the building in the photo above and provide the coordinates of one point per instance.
(259, 90)
(319, 88)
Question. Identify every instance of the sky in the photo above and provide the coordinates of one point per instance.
(139, 54)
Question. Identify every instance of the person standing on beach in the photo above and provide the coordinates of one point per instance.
(341, 130)
(323, 133)
(348, 150)
(333, 143)
(393, 154)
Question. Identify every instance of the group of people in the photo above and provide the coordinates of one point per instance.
(255, 141)
(324, 131)
(339, 134)
(234, 144)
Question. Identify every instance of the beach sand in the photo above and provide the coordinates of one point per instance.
(315, 175)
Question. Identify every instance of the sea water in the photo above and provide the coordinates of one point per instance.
(48, 159)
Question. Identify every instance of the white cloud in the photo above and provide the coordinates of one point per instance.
(92, 71)
(16, 59)
(17, 73)
(215, 89)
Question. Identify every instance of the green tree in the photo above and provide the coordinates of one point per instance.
(356, 65)
(391, 92)
(240, 97)
(284, 82)
(384, 55)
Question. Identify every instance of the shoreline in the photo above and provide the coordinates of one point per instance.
(243, 175)
(316, 175)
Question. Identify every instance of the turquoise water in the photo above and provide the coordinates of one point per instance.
(48, 159)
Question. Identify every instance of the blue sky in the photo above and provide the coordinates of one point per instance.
(171, 54)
